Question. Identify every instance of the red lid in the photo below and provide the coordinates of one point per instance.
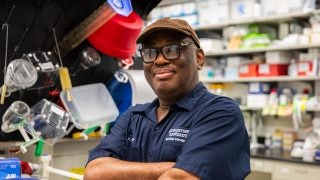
(117, 37)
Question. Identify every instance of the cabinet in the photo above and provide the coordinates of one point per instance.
(281, 170)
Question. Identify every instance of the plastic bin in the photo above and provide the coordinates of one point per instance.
(91, 105)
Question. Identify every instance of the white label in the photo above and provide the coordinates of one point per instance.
(303, 67)
(177, 135)
(264, 69)
(254, 87)
(244, 69)
(47, 65)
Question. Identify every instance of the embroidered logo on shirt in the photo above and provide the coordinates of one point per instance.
(179, 135)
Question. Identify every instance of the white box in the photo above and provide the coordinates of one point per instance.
(242, 9)
(259, 88)
(295, 5)
(231, 72)
(189, 8)
(315, 38)
(282, 7)
(211, 45)
(213, 11)
(223, 10)
(304, 39)
(236, 61)
(268, 7)
(191, 19)
(175, 10)
(278, 57)
(205, 8)
(257, 100)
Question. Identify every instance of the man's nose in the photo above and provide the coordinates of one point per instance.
(161, 59)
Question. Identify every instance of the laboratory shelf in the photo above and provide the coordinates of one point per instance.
(261, 50)
(314, 109)
(246, 108)
(260, 79)
(262, 19)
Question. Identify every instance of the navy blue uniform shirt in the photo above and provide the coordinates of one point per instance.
(203, 133)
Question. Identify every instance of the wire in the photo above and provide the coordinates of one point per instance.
(57, 46)
(5, 25)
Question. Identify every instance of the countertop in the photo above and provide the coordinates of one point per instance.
(262, 153)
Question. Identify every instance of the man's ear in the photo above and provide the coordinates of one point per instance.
(200, 58)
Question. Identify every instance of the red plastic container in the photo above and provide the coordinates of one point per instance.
(118, 36)
(273, 69)
(249, 70)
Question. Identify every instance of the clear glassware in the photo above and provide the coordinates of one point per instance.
(20, 74)
(49, 120)
(15, 116)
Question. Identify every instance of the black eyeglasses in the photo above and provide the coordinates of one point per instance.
(170, 52)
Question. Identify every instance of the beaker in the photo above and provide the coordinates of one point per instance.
(20, 74)
(15, 116)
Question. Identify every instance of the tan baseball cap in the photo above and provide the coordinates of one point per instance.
(178, 25)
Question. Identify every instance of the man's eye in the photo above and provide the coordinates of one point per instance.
(148, 52)
(170, 49)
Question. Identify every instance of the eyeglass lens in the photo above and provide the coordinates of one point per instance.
(170, 52)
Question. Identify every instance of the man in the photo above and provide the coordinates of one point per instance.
(187, 132)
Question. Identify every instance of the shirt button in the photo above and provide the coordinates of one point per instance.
(157, 127)
(150, 154)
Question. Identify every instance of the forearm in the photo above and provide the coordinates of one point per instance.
(178, 174)
(112, 168)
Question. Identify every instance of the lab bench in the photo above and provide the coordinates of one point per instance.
(268, 164)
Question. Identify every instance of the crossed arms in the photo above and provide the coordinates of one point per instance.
(111, 168)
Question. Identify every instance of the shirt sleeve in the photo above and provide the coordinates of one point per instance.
(217, 146)
(112, 144)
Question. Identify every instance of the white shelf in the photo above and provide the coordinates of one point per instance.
(245, 108)
(263, 19)
(260, 79)
(313, 109)
(257, 50)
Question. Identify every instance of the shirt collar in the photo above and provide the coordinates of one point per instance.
(190, 100)
(187, 103)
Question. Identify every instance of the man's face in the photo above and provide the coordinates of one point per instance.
(173, 78)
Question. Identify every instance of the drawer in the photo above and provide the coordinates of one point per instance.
(257, 165)
(294, 171)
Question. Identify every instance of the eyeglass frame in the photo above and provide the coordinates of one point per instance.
(160, 49)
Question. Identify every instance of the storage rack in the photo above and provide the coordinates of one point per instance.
(314, 80)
